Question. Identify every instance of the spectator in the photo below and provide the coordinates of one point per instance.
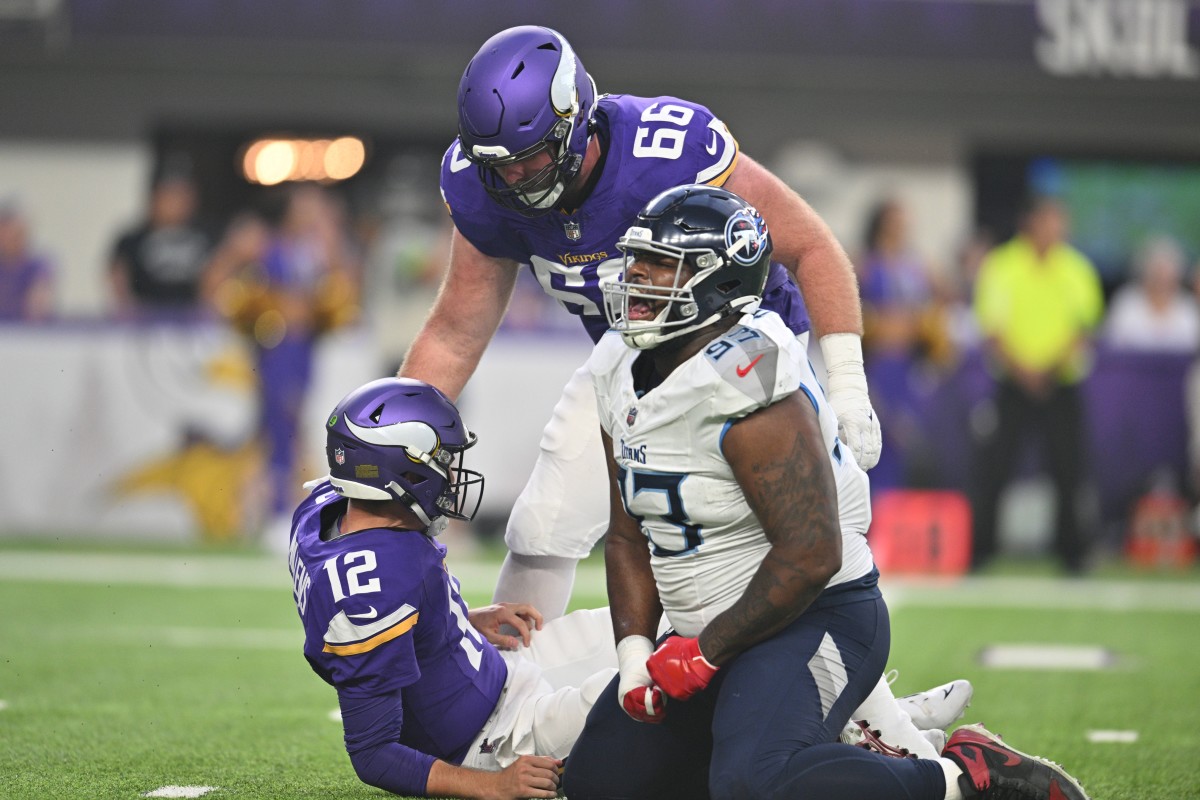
(26, 279)
(1155, 312)
(284, 288)
(157, 267)
(903, 327)
(1037, 300)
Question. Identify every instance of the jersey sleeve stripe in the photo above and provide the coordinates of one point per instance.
(811, 399)
(342, 631)
(370, 644)
(724, 430)
(718, 173)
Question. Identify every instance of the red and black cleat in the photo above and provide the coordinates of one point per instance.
(994, 771)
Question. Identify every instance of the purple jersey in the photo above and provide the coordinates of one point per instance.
(650, 144)
(382, 616)
(17, 279)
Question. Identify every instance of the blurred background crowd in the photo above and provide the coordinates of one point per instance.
(217, 218)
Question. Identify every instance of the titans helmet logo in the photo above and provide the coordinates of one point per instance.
(745, 237)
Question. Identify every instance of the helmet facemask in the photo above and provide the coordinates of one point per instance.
(680, 312)
(537, 194)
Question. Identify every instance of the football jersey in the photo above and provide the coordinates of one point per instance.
(651, 144)
(704, 539)
(381, 613)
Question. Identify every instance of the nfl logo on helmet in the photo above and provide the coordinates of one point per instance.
(339, 455)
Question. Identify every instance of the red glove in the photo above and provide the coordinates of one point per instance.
(680, 668)
(638, 695)
(645, 704)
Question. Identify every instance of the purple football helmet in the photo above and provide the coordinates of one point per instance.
(402, 439)
(526, 92)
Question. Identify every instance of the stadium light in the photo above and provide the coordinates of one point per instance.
(272, 161)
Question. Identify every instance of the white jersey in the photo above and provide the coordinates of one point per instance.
(705, 541)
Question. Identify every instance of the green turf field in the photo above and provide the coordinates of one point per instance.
(122, 672)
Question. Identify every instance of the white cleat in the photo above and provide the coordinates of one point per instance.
(936, 737)
(939, 707)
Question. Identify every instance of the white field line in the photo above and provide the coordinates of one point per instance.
(229, 638)
(209, 571)
(1048, 657)
(181, 791)
(270, 573)
(1061, 594)
(1111, 737)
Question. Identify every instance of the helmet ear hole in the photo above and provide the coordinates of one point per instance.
(414, 478)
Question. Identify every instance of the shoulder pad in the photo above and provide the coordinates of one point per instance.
(757, 357)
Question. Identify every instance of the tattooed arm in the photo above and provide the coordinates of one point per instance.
(788, 482)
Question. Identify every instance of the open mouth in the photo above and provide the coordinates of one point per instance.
(640, 310)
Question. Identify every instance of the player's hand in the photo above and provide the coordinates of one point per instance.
(520, 617)
(858, 426)
(528, 776)
(645, 702)
(636, 692)
(680, 668)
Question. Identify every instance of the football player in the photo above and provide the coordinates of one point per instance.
(547, 173)
(430, 706)
(737, 512)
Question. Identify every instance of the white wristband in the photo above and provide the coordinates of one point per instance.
(632, 654)
(844, 362)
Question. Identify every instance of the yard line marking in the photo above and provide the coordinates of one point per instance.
(211, 571)
(1047, 656)
(181, 791)
(253, 571)
(207, 571)
(1105, 737)
(3, 705)
(336, 715)
(232, 638)
(1064, 594)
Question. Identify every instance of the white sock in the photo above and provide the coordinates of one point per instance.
(895, 727)
(544, 582)
(952, 770)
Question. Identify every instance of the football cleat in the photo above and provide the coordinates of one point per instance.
(936, 737)
(994, 771)
(860, 734)
(939, 707)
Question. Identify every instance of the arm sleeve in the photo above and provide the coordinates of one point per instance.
(372, 727)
